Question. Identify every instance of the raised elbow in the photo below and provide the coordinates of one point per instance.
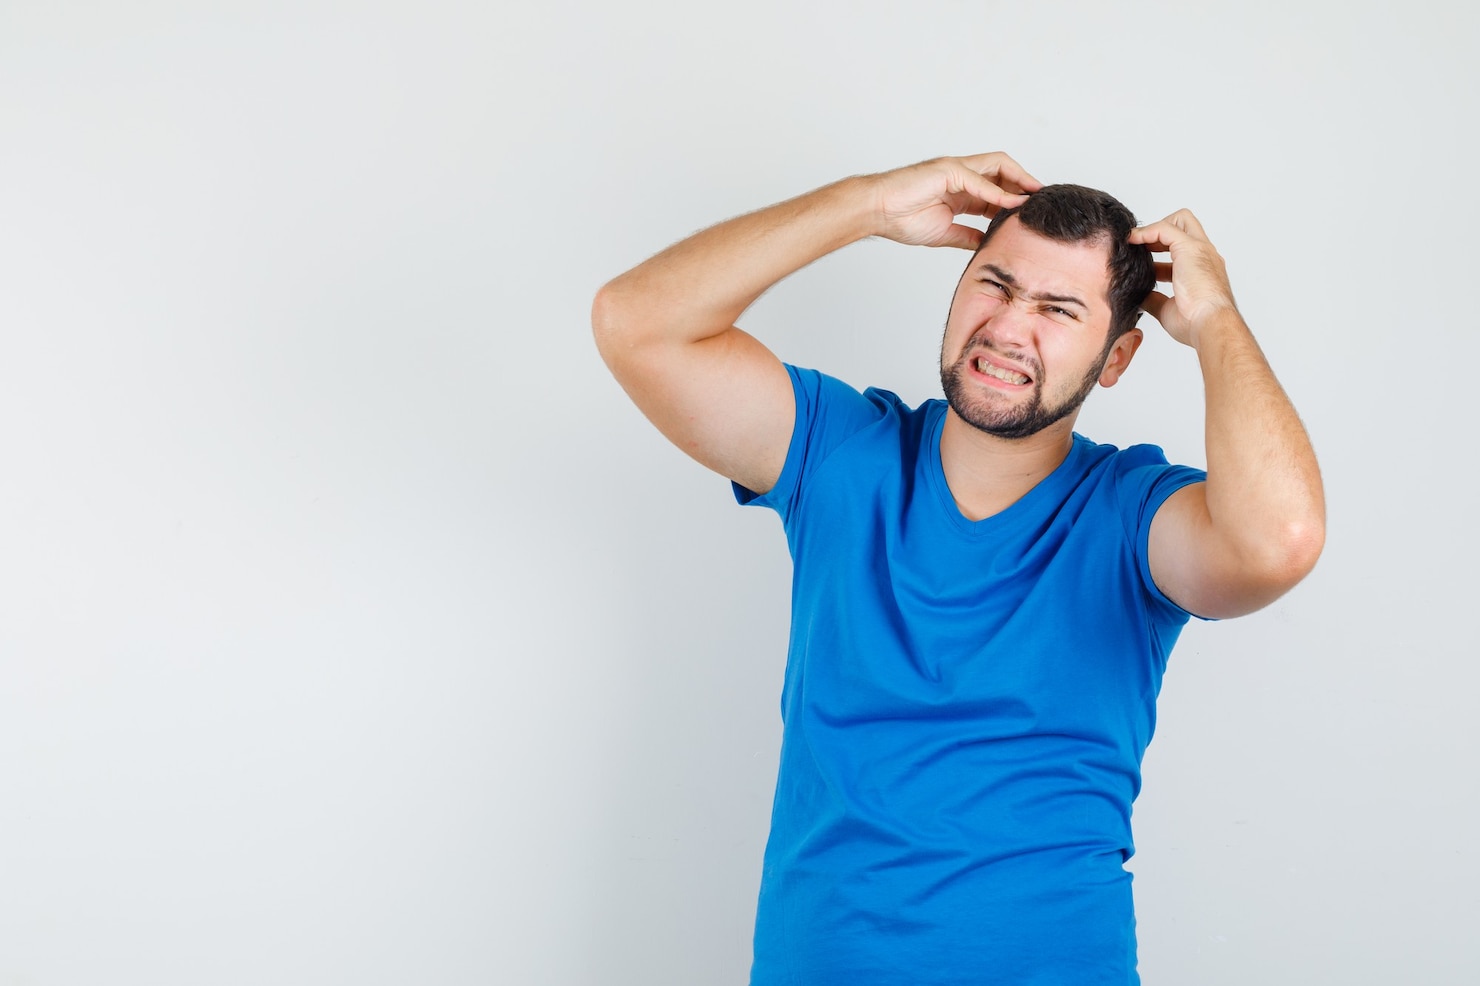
(1286, 559)
(1303, 543)
(607, 320)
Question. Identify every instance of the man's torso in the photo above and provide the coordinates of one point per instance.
(966, 705)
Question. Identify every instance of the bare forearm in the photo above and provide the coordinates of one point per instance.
(1264, 489)
(699, 287)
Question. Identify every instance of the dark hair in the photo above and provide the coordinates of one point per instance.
(1075, 214)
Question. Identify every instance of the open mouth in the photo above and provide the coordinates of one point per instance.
(984, 366)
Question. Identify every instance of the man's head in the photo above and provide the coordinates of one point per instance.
(1075, 214)
(1047, 308)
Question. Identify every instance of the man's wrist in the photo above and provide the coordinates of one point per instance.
(854, 201)
(1217, 323)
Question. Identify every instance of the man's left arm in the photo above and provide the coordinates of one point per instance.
(1245, 537)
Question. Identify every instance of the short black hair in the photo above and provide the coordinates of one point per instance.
(1075, 214)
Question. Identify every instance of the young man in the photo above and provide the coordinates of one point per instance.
(983, 601)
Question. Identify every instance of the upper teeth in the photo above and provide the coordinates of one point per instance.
(1000, 373)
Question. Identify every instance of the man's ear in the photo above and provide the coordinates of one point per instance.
(1121, 352)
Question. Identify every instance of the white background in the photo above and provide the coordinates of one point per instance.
(355, 629)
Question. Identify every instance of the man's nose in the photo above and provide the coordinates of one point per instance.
(1010, 327)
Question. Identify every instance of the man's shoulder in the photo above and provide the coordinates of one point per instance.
(1136, 479)
(1106, 456)
(823, 398)
(1133, 477)
(831, 387)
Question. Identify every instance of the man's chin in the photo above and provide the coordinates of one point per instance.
(1011, 430)
(1025, 422)
(1017, 421)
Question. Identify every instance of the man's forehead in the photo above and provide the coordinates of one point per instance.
(1038, 263)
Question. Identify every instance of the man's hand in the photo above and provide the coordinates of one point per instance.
(1199, 280)
(918, 205)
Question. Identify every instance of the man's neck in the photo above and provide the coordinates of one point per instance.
(987, 474)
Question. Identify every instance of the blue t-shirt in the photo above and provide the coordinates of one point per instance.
(965, 708)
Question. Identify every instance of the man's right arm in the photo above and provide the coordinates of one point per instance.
(666, 328)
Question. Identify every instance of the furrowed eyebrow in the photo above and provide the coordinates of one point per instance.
(1066, 299)
(1011, 281)
(1000, 274)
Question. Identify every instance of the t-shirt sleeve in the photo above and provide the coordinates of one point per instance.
(1144, 486)
(829, 412)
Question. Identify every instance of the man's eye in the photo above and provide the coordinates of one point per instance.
(1063, 311)
(993, 284)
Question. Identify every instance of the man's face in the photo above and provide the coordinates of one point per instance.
(1026, 337)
